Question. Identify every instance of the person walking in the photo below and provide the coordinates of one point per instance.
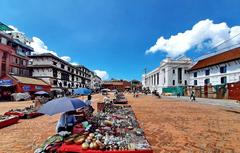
(193, 96)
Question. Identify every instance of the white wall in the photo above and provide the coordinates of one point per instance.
(232, 74)
(42, 72)
(42, 61)
(165, 70)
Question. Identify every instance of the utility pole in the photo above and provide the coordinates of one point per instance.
(145, 79)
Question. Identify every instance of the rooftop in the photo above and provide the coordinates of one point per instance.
(224, 57)
(4, 27)
(27, 80)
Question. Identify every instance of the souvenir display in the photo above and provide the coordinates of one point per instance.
(27, 112)
(6, 120)
(114, 129)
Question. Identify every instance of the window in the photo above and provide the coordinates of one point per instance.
(206, 81)
(207, 72)
(195, 74)
(185, 71)
(65, 83)
(69, 69)
(157, 78)
(60, 84)
(185, 82)
(55, 82)
(54, 63)
(16, 60)
(173, 82)
(223, 69)
(3, 41)
(179, 75)
(55, 73)
(173, 71)
(195, 82)
(62, 66)
(21, 62)
(223, 80)
(4, 55)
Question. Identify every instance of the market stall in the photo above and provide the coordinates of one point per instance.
(8, 120)
(120, 99)
(112, 129)
(26, 113)
(115, 129)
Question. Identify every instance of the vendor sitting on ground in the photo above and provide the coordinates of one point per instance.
(88, 102)
(66, 122)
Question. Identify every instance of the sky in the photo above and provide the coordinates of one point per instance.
(120, 38)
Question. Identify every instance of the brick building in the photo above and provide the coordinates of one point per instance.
(13, 56)
(120, 85)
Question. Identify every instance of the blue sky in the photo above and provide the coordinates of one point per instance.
(113, 35)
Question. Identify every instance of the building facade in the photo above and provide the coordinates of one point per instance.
(96, 81)
(120, 85)
(13, 56)
(59, 73)
(219, 69)
(170, 73)
(136, 85)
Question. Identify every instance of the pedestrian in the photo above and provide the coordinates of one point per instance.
(178, 95)
(193, 96)
(134, 93)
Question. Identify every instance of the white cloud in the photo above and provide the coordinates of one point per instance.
(15, 29)
(102, 74)
(203, 34)
(66, 58)
(39, 48)
(74, 63)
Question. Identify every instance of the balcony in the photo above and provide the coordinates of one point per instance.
(21, 53)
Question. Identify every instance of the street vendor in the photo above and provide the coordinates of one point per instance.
(66, 122)
(37, 102)
(88, 101)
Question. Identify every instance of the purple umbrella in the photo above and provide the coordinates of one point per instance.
(61, 105)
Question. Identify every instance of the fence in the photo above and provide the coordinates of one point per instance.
(223, 91)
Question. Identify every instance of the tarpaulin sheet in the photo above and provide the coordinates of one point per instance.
(77, 149)
(9, 122)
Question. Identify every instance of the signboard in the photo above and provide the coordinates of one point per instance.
(38, 87)
(26, 88)
(6, 83)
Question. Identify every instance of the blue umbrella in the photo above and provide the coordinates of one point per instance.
(41, 93)
(82, 91)
(61, 105)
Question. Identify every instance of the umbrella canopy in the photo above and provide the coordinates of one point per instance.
(61, 105)
(41, 93)
(82, 91)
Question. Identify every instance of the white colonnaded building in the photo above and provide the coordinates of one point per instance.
(170, 73)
